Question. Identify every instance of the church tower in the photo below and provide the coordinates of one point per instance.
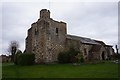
(46, 38)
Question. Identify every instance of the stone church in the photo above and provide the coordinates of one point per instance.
(47, 38)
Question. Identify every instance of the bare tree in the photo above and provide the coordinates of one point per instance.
(12, 49)
(116, 49)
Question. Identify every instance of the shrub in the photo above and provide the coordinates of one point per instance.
(26, 59)
(115, 56)
(72, 53)
(16, 56)
(80, 58)
(63, 57)
(68, 56)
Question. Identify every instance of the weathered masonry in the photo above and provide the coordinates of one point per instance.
(47, 38)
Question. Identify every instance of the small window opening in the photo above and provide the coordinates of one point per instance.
(57, 31)
(36, 32)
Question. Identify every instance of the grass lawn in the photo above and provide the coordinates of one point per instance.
(101, 70)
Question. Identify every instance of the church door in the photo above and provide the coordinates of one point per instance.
(103, 55)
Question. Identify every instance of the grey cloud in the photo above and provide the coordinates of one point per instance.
(94, 20)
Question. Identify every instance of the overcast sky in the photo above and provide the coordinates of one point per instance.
(95, 20)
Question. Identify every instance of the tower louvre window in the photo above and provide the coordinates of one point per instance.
(56, 30)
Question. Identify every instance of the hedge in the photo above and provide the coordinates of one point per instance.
(26, 59)
(16, 57)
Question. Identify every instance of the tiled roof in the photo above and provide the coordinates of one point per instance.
(101, 42)
(83, 40)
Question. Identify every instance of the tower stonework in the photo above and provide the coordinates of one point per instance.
(44, 13)
(46, 38)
